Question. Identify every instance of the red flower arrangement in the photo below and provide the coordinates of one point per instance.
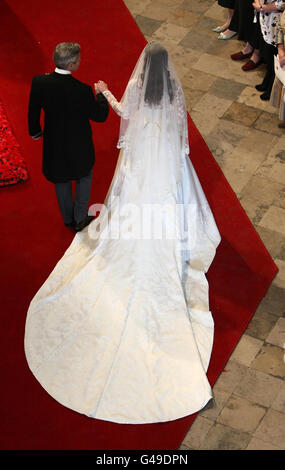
(12, 165)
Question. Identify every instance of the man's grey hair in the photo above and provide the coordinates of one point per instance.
(64, 53)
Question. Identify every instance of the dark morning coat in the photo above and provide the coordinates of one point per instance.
(69, 105)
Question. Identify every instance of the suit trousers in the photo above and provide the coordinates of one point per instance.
(76, 209)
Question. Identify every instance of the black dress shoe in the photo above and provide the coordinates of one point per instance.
(265, 96)
(70, 224)
(81, 225)
(260, 87)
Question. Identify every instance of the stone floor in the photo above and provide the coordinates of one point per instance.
(241, 132)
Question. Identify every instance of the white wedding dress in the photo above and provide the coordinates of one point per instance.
(121, 329)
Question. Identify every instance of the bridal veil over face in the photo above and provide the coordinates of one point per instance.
(121, 329)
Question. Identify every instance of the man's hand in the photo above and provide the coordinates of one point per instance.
(281, 55)
(282, 61)
(100, 86)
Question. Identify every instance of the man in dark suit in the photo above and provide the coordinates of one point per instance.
(68, 151)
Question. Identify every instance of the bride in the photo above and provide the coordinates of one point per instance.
(121, 329)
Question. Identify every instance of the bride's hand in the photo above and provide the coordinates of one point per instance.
(101, 86)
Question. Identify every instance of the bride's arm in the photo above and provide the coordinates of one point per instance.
(102, 87)
(117, 107)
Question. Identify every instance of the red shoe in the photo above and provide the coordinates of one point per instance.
(240, 55)
(250, 65)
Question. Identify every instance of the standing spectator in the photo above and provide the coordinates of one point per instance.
(243, 22)
(278, 91)
(225, 32)
(268, 24)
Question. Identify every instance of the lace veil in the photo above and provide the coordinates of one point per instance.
(153, 128)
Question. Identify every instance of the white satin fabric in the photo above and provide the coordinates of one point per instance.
(121, 329)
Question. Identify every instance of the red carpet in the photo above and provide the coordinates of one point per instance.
(33, 236)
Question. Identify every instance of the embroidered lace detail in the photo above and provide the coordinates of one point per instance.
(117, 107)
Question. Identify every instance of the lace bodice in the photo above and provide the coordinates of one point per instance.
(270, 21)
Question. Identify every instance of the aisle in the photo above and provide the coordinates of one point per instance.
(34, 237)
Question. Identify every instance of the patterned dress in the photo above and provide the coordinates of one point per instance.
(278, 90)
(269, 22)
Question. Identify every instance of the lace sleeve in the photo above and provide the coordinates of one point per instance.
(117, 107)
(126, 107)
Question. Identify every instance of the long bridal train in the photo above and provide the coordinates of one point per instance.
(121, 330)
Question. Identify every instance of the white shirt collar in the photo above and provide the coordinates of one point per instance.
(63, 72)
